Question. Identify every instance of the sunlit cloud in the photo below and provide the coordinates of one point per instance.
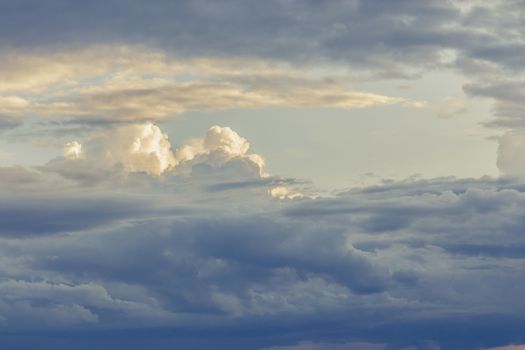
(130, 84)
(144, 147)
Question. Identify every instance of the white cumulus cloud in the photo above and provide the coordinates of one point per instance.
(72, 150)
(134, 147)
(221, 155)
(144, 147)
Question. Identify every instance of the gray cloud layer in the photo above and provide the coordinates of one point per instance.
(431, 263)
(395, 33)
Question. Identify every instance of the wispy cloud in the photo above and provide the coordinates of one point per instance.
(132, 84)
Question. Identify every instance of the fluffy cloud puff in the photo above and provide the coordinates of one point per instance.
(137, 147)
(145, 148)
(219, 146)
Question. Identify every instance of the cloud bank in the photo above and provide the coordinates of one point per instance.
(161, 248)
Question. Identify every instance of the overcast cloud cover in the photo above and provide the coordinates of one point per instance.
(132, 237)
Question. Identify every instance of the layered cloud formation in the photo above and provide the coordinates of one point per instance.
(418, 259)
(134, 84)
(132, 238)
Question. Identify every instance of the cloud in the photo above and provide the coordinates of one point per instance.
(219, 147)
(22, 180)
(133, 84)
(403, 264)
(121, 154)
(452, 107)
(39, 71)
(217, 139)
(24, 216)
(123, 231)
(511, 147)
(283, 192)
(72, 150)
(136, 148)
(398, 39)
(12, 109)
(176, 98)
(507, 95)
(9, 122)
(12, 104)
(359, 32)
(153, 64)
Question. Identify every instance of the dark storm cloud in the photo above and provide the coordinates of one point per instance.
(348, 268)
(462, 217)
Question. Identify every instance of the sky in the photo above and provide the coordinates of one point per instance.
(266, 175)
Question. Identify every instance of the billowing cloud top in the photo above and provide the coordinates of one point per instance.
(144, 148)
